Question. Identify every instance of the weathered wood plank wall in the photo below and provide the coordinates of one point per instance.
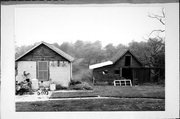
(42, 53)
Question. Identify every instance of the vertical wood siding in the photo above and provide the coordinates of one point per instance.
(42, 53)
(121, 61)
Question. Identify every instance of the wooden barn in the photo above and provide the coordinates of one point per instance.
(46, 63)
(124, 65)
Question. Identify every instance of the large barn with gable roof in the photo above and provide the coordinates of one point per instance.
(124, 65)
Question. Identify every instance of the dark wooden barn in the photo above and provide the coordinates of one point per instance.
(124, 65)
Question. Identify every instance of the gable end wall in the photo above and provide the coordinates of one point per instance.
(42, 53)
(121, 62)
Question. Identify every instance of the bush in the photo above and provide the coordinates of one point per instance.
(110, 83)
(82, 86)
(23, 88)
(161, 82)
(73, 82)
(22, 91)
(101, 83)
(59, 87)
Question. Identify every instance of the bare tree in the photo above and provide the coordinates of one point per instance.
(161, 19)
(154, 53)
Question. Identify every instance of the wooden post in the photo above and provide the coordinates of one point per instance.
(93, 77)
(132, 76)
(70, 71)
(120, 71)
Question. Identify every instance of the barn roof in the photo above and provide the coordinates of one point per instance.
(120, 54)
(114, 59)
(52, 47)
(94, 66)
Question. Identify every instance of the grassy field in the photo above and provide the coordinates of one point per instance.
(94, 105)
(140, 98)
(112, 91)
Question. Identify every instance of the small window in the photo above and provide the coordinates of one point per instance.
(116, 71)
(127, 60)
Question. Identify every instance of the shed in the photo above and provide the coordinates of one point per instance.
(123, 65)
(46, 63)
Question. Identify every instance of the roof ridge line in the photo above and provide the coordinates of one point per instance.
(52, 47)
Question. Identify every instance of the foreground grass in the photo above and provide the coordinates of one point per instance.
(135, 98)
(112, 91)
(94, 105)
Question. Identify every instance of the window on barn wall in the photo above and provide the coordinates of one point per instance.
(117, 71)
(127, 60)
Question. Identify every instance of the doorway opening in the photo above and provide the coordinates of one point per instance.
(127, 73)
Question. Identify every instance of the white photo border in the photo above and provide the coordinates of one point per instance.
(171, 58)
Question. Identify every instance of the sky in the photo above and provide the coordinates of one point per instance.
(88, 23)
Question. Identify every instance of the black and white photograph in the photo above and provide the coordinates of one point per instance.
(96, 59)
(93, 58)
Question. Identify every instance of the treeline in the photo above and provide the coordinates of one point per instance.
(150, 53)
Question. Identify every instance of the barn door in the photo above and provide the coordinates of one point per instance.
(142, 75)
(42, 70)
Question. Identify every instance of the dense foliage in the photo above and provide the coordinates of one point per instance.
(150, 52)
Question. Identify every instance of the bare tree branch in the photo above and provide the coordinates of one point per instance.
(160, 18)
(163, 13)
(156, 31)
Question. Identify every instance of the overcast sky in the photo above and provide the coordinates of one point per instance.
(88, 23)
